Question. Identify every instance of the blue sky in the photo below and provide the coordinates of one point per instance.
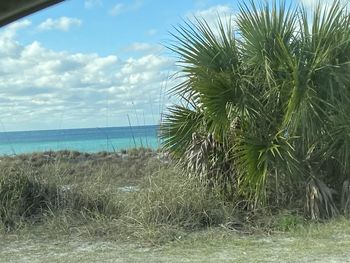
(93, 63)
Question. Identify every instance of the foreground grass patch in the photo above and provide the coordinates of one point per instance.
(316, 243)
(130, 195)
(101, 197)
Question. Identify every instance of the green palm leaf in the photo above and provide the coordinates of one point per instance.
(272, 96)
(178, 127)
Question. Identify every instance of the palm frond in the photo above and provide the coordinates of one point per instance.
(269, 99)
(178, 127)
(256, 158)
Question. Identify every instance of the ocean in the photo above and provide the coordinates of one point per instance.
(84, 140)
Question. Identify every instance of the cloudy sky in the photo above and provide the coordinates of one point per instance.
(94, 63)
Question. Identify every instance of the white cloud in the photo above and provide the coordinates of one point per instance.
(7, 44)
(308, 3)
(41, 88)
(313, 3)
(144, 47)
(200, 3)
(10, 30)
(19, 25)
(116, 9)
(214, 12)
(119, 8)
(62, 23)
(212, 15)
(92, 3)
(151, 32)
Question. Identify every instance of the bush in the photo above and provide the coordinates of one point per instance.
(23, 197)
(26, 196)
(271, 104)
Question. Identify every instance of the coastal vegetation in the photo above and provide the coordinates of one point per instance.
(257, 146)
(135, 206)
(133, 195)
(264, 107)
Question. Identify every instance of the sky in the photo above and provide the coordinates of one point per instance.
(95, 63)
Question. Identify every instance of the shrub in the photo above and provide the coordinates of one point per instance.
(267, 99)
(26, 196)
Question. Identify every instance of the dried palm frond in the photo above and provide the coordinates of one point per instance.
(345, 198)
(319, 200)
(206, 158)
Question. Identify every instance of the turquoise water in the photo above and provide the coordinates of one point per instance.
(85, 140)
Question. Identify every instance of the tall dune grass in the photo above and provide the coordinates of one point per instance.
(133, 194)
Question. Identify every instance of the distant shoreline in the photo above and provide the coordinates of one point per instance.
(91, 140)
(88, 128)
(75, 152)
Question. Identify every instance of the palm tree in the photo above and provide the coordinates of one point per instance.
(264, 107)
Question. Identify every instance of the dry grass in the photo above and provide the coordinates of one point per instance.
(131, 195)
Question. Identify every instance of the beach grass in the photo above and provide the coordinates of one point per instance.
(136, 206)
(129, 195)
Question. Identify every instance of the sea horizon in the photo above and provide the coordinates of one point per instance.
(80, 128)
(79, 139)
